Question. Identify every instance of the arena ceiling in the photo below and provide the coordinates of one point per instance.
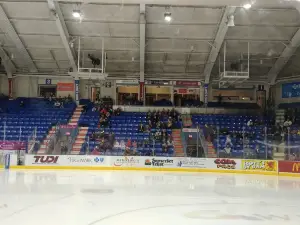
(40, 37)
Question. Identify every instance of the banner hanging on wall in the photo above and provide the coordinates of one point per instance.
(290, 90)
(65, 86)
(188, 83)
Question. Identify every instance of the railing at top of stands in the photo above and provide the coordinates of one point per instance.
(183, 110)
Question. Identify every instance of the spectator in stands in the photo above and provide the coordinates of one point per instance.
(70, 98)
(93, 136)
(56, 104)
(84, 109)
(169, 123)
(250, 123)
(227, 149)
(220, 99)
(22, 104)
(64, 149)
(141, 127)
(96, 150)
(165, 147)
(287, 123)
(228, 141)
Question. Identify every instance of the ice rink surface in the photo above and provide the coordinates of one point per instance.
(146, 198)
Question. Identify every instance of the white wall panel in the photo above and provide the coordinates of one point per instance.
(3, 84)
(25, 87)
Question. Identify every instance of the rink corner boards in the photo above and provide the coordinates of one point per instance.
(164, 164)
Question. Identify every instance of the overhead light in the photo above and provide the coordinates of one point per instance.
(168, 16)
(247, 6)
(76, 13)
(230, 21)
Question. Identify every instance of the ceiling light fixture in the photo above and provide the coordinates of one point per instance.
(247, 6)
(76, 13)
(168, 16)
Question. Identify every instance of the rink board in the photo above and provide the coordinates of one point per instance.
(175, 164)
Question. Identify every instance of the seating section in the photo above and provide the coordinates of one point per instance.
(35, 113)
(125, 127)
(234, 125)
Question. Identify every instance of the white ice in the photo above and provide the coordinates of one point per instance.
(144, 198)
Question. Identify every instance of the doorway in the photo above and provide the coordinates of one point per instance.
(47, 90)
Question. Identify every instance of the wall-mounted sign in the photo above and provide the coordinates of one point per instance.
(48, 81)
(126, 82)
(158, 82)
(205, 94)
(65, 86)
(77, 91)
(291, 90)
(188, 83)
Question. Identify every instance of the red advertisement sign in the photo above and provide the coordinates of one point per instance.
(45, 159)
(182, 91)
(289, 167)
(188, 83)
(65, 86)
(225, 163)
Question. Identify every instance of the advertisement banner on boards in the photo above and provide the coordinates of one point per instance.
(65, 160)
(193, 162)
(160, 162)
(259, 165)
(12, 145)
(127, 161)
(288, 167)
(228, 164)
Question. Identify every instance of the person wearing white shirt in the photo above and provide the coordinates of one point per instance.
(250, 123)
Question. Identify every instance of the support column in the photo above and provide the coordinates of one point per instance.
(76, 82)
(201, 93)
(142, 52)
(205, 95)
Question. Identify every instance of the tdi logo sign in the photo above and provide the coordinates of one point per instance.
(45, 159)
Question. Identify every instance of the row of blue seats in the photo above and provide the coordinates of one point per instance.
(121, 151)
(134, 130)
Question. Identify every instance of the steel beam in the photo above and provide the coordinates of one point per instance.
(8, 28)
(64, 34)
(142, 41)
(215, 49)
(7, 63)
(285, 56)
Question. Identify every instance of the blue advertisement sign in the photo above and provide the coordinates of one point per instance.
(77, 91)
(291, 90)
(205, 94)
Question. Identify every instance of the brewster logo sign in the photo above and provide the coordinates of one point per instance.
(45, 159)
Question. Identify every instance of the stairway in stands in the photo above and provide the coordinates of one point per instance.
(76, 115)
(211, 150)
(177, 142)
(73, 121)
(80, 139)
(46, 141)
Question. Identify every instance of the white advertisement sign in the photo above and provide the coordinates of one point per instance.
(65, 160)
(132, 161)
